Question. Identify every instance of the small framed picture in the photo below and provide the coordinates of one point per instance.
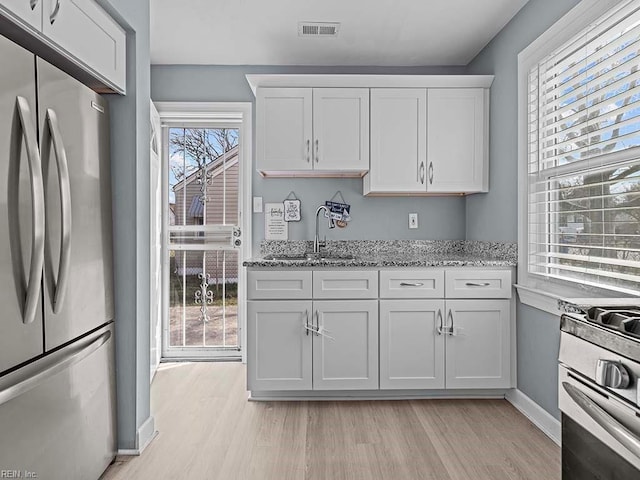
(292, 210)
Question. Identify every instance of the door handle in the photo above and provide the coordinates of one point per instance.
(36, 263)
(602, 418)
(411, 284)
(450, 327)
(54, 14)
(421, 172)
(308, 151)
(306, 322)
(317, 328)
(33, 4)
(52, 136)
(441, 327)
(78, 353)
(474, 284)
(317, 155)
(430, 173)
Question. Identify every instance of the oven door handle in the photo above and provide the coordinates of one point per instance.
(614, 428)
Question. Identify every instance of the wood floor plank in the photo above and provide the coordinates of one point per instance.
(208, 430)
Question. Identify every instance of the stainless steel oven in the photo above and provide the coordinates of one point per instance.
(599, 398)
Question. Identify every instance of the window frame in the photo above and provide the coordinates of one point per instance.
(534, 290)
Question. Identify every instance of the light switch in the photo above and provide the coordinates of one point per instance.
(413, 220)
(257, 204)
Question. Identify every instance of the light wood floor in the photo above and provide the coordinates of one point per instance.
(208, 431)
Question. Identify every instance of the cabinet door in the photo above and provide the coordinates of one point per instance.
(28, 12)
(411, 345)
(456, 140)
(398, 141)
(478, 351)
(341, 129)
(84, 30)
(283, 129)
(346, 357)
(278, 345)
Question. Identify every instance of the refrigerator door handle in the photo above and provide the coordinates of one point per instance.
(37, 204)
(75, 355)
(53, 137)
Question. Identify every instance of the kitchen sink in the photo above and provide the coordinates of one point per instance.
(309, 257)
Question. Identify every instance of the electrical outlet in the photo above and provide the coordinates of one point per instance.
(257, 204)
(413, 220)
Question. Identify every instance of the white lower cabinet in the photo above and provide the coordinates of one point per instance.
(298, 340)
(345, 354)
(411, 347)
(285, 354)
(478, 350)
(431, 344)
(278, 345)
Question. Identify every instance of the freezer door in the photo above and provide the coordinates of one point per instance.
(74, 139)
(58, 414)
(19, 192)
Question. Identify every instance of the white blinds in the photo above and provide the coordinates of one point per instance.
(584, 164)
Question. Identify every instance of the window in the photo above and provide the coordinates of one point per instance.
(582, 181)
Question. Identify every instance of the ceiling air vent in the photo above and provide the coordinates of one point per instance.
(318, 29)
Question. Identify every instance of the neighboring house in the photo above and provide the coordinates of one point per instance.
(221, 207)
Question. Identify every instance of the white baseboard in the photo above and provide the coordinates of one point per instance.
(146, 433)
(546, 422)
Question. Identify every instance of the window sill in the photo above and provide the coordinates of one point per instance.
(551, 302)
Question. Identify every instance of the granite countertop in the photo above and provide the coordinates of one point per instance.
(401, 253)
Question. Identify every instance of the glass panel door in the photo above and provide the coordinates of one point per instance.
(203, 242)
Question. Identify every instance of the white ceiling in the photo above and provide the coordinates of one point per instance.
(372, 32)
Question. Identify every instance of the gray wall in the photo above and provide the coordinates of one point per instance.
(130, 138)
(493, 216)
(373, 218)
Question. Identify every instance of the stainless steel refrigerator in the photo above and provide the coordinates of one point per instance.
(57, 373)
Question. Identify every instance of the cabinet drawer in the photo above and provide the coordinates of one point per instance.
(345, 284)
(412, 284)
(463, 283)
(279, 284)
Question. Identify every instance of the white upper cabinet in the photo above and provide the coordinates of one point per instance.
(284, 129)
(85, 31)
(398, 141)
(341, 129)
(28, 12)
(456, 140)
(428, 141)
(312, 132)
(75, 35)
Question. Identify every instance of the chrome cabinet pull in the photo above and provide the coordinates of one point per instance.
(602, 418)
(308, 150)
(421, 173)
(411, 284)
(450, 327)
(33, 4)
(306, 322)
(474, 284)
(440, 329)
(317, 152)
(37, 200)
(317, 322)
(430, 173)
(54, 14)
(52, 136)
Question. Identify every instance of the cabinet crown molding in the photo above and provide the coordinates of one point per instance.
(369, 81)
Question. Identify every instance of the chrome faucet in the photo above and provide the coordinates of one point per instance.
(317, 244)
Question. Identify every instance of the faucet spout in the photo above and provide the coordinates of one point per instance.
(316, 240)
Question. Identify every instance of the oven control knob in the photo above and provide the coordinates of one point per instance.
(612, 374)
